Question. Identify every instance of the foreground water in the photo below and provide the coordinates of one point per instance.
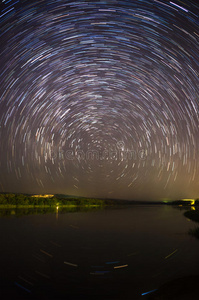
(119, 253)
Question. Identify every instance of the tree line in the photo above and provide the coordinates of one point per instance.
(22, 199)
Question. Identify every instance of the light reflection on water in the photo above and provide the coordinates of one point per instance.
(94, 254)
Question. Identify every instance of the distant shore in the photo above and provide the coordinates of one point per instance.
(11, 200)
(37, 201)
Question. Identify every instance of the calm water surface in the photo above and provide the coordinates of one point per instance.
(104, 254)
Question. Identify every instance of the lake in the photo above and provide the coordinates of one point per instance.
(115, 253)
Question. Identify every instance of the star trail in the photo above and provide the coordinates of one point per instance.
(100, 98)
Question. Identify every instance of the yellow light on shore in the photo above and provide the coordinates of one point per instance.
(43, 196)
(190, 200)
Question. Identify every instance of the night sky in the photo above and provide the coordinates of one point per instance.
(100, 98)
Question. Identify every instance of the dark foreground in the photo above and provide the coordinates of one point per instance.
(139, 252)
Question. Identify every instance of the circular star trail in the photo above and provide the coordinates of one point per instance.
(100, 98)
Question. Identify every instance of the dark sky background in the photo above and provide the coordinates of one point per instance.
(100, 98)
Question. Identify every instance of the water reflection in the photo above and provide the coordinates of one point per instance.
(113, 254)
(8, 212)
(184, 287)
(193, 215)
(194, 232)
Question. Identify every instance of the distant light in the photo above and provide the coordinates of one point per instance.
(190, 200)
(43, 196)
